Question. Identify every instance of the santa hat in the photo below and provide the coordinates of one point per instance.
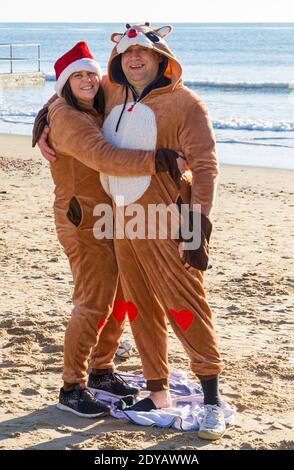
(77, 59)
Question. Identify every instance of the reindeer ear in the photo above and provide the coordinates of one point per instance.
(116, 37)
(164, 31)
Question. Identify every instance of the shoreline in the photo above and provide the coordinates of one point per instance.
(11, 144)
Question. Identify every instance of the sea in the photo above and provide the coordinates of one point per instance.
(243, 72)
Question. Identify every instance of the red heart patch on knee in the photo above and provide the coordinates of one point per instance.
(132, 311)
(183, 318)
(101, 323)
(120, 310)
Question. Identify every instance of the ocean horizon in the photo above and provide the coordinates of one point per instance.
(243, 71)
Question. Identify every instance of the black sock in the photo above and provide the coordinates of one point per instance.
(211, 392)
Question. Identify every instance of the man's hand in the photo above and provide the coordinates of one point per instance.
(46, 151)
(197, 258)
(181, 250)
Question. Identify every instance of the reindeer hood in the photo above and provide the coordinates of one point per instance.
(145, 36)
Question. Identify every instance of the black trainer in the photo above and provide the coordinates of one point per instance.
(112, 384)
(81, 402)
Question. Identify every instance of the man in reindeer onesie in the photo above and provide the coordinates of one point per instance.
(148, 107)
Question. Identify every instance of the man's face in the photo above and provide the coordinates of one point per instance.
(140, 65)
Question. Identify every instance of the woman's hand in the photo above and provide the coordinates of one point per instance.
(181, 248)
(47, 152)
(181, 162)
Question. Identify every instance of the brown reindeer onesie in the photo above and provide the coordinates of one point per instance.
(156, 283)
(78, 141)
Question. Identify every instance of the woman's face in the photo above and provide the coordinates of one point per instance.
(84, 85)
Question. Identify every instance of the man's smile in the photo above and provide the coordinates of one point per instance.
(138, 66)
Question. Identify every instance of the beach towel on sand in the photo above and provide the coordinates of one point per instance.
(186, 413)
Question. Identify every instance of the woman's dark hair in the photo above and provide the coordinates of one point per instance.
(99, 99)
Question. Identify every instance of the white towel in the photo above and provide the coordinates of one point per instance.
(186, 413)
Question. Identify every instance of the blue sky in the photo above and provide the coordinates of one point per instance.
(160, 11)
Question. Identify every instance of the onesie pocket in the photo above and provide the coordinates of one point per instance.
(74, 213)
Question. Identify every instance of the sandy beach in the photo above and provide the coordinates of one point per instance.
(250, 289)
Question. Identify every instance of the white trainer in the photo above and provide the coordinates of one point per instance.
(125, 349)
(213, 425)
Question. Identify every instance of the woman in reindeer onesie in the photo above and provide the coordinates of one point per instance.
(75, 119)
